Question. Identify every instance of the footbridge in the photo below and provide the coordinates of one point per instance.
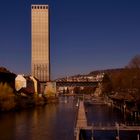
(82, 124)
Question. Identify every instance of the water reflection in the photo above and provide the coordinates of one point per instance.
(51, 122)
(7, 125)
(102, 114)
(56, 122)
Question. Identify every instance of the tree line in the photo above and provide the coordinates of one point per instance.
(125, 81)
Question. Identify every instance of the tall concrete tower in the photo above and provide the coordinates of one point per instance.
(40, 58)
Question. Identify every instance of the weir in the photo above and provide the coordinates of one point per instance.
(81, 120)
(81, 124)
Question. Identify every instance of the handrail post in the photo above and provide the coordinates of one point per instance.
(92, 137)
(138, 137)
(118, 133)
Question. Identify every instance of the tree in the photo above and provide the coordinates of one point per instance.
(77, 90)
(134, 66)
(106, 84)
(135, 62)
(3, 69)
(7, 97)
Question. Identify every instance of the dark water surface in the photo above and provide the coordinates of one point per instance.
(56, 122)
(105, 115)
(52, 122)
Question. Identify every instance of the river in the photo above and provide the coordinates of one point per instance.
(105, 115)
(56, 122)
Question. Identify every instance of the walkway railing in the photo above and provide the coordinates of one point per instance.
(112, 127)
(81, 124)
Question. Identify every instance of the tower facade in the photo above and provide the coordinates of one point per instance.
(40, 57)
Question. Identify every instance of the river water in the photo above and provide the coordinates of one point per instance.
(105, 115)
(56, 122)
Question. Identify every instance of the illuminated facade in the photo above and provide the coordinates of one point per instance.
(40, 62)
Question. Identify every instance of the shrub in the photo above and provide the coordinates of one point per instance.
(7, 97)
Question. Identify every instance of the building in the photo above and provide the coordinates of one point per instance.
(28, 85)
(20, 82)
(50, 89)
(36, 85)
(40, 58)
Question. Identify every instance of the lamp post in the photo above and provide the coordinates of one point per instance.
(124, 110)
(92, 138)
(118, 133)
(138, 137)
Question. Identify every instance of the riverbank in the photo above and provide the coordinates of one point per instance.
(19, 102)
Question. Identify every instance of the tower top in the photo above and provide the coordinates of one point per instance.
(40, 6)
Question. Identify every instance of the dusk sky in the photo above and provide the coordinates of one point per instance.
(86, 35)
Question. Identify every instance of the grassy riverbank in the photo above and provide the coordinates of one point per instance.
(12, 101)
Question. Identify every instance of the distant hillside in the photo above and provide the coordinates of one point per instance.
(107, 71)
(110, 72)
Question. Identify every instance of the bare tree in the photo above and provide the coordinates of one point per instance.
(135, 62)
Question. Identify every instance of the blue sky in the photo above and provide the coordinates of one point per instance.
(86, 35)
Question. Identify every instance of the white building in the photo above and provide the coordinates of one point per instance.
(20, 82)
